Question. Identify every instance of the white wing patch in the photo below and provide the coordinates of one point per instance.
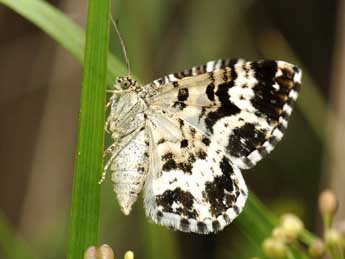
(190, 186)
(201, 126)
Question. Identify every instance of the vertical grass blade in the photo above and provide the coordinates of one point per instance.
(84, 225)
(12, 246)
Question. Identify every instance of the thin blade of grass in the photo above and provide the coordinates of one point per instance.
(158, 242)
(13, 246)
(84, 225)
(62, 29)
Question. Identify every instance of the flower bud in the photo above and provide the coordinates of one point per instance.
(90, 253)
(105, 252)
(328, 203)
(278, 233)
(129, 255)
(292, 226)
(274, 248)
(317, 248)
(102, 252)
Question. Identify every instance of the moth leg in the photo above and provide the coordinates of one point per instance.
(111, 100)
(110, 160)
(109, 150)
(107, 123)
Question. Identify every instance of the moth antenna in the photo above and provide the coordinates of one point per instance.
(124, 48)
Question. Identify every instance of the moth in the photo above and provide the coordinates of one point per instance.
(183, 139)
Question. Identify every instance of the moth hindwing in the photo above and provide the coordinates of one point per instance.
(184, 138)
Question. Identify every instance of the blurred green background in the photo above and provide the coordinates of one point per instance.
(40, 89)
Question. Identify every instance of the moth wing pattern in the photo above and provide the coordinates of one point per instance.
(243, 107)
(201, 127)
(191, 185)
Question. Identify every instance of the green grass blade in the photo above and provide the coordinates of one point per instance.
(11, 245)
(158, 242)
(52, 21)
(256, 219)
(84, 225)
(62, 29)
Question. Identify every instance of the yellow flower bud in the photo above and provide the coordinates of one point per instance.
(292, 226)
(129, 255)
(274, 248)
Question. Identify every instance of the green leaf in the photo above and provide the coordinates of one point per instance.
(84, 225)
(256, 220)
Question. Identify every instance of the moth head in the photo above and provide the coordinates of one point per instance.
(124, 82)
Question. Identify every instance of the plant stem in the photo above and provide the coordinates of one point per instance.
(84, 225)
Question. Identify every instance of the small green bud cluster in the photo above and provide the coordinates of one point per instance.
(289, 233)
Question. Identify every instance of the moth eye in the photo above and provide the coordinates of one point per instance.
(125, 84)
